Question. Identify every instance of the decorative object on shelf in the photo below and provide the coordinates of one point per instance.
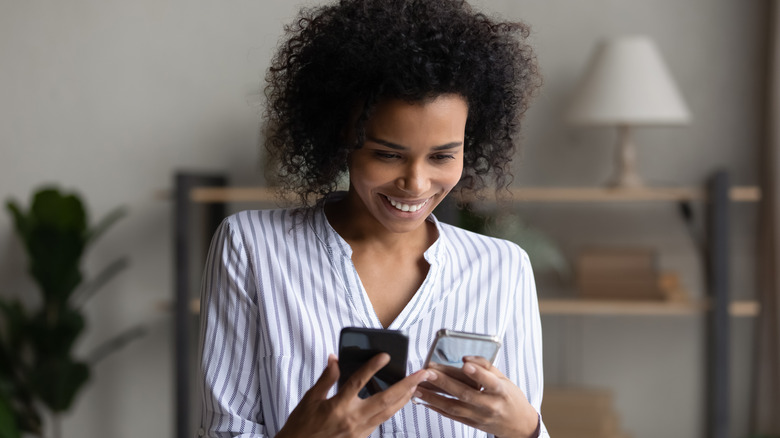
(627, 84)
(38, 370)
(618, 273)
(672, 288)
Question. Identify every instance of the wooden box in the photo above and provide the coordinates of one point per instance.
(618, 273)
(580, 413)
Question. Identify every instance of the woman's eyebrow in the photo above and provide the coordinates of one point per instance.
(398, 147)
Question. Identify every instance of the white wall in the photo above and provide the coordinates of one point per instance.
(109, 98)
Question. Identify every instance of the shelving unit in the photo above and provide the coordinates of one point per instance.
(213, 193)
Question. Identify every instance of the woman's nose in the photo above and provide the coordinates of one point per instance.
(414, 180)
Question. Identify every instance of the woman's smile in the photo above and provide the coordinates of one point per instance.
(410, 206)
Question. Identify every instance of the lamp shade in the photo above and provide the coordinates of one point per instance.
(627, 83)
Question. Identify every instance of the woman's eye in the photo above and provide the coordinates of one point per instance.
(385, 155)
(443, 157)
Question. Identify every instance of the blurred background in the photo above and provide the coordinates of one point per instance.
(110, 99)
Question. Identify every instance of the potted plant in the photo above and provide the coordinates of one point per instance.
(40, 375)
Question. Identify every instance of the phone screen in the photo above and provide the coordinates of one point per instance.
(447, 352)
(358, 345)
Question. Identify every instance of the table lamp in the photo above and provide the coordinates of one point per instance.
(627, 84)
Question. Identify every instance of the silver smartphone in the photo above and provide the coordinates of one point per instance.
(447, 352)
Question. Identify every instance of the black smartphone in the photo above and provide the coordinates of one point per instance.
(357, 345)
(447, 352)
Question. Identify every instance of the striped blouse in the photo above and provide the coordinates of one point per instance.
(276, 292)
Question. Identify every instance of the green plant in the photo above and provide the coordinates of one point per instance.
(38, 367)
(542, 250)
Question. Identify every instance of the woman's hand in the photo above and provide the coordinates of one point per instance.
(500, 408)
(345, 414)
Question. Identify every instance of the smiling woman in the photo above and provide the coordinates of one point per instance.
(410, 98)
(411, 159)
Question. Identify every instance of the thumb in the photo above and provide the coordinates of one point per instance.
(329, 377)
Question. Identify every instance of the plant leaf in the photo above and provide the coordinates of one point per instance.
(85, 292)
(104, 224)
(116, 343)
(8, 426)
(53, 233)
(55, 256)
(57, 210)
(15, 329)
(20, 219)
(53, 333)
(57, 381)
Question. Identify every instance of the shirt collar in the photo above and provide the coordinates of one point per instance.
(337, 246)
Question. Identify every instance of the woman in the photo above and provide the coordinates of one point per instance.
(411, 99)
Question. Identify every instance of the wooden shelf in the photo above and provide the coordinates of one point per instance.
(232, 194)
(641, 194)
(646, 308)
(524, 194)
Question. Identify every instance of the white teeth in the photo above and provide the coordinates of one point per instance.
(406, 207)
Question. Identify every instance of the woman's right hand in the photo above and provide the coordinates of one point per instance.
(345, 414)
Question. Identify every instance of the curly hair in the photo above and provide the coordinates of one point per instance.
(343, 58)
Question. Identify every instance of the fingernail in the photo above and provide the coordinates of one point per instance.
(418, 394)
(431, 376)
(469, 368)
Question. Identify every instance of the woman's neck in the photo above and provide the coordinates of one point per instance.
(361, 231)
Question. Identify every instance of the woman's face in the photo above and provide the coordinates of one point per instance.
(412, 157)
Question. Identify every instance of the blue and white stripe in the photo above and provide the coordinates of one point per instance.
(277, 290)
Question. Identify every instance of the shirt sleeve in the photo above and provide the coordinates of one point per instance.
(229, 341)
(523, 341)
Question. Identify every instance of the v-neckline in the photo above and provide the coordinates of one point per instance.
(340, 253)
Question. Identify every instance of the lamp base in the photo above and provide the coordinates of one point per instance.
(625, 181)
(626, 175)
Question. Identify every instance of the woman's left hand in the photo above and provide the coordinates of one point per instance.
(500, 408)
